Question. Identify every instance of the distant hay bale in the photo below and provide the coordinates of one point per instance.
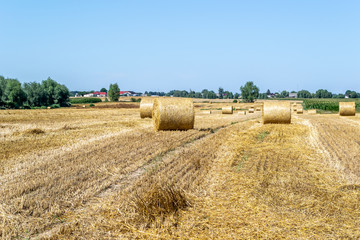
(251, 110)
(242, 112)
(258, 109)
(173, 114)
(227, 110)
(347, 108)
(205, 112)
(237, 108)
(299, 109)
(276, 112)
(146, 107)
(312, 111)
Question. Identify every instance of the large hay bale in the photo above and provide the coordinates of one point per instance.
(146, 107)
(258, 109)
(227, 110)
(276, 112)
(173, 114)
(251, 110)
(347, 108)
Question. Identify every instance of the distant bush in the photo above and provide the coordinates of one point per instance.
(54, 106)
(327, 104)
(135, 100)
(84, 100)
(91, 105)
(106, 99)
(43, 107)
(235, 101)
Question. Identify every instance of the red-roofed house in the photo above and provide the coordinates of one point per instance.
(127, 93)
(100, 94)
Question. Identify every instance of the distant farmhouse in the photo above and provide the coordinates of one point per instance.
(99, 94)
(128, 93)
(292, 95)
(104, 94)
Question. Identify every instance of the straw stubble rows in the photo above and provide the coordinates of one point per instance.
(231, 177)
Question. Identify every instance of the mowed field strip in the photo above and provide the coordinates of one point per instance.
(94, 173)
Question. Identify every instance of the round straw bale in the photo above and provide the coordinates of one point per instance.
(347, 108)
(173, 114)
(146, 107)
(299, 111)
(276, 112)
(242, 112)
(251, 110)
(237, 108)
(258, 109)
(227, 110)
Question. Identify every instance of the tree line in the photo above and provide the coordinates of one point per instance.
(13, 94)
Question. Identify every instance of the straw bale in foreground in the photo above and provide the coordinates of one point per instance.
(347, 108)
(173, 114)
(227, 110)
(146, 107)
(276, 112)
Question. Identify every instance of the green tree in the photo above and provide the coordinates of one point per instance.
(61, 95)
(205, 93)
(263, 96)
(35, 93)
(322, 93)
(284, 94)
(249, 92)
(14, 93)
(49, 86)
(236, 96)
(103, 90)
(114, 92)
(304, 94)
(221, 92)
(198, 95)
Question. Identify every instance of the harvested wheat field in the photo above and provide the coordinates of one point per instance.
(104, 173)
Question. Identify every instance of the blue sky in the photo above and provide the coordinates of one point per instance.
(165, 45)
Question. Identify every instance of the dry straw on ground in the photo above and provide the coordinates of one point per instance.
(312, 111)
(227, 110)
(242, 112)
(173, 114)
(276, 112)
(146, 107)
(347, 108)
